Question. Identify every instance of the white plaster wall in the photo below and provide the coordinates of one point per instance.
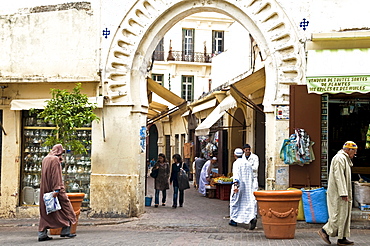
(58, 44)
(10, 166)
(235, 60)
(327, 15)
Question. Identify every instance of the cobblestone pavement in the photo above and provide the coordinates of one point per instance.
(202, 221)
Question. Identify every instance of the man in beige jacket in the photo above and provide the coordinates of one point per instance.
(339, 196)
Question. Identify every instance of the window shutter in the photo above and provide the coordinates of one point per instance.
(213, 42)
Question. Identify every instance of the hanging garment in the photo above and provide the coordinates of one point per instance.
(297, 149)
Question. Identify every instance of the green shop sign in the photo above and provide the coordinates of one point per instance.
(338, 84)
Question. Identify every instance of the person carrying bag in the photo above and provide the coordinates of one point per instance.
(183, 179)
(179, 177)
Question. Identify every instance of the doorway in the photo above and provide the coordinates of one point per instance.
(349, 120)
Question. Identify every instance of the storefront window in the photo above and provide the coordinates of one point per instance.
(348, 120)
(76, 168)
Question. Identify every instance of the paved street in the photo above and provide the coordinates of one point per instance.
(202, 221)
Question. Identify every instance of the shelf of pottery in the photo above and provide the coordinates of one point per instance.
(76, 168)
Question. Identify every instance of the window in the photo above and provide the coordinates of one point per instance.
(158, 78)
(177, 144)
(217, 42)
(158, 53)
(188, 44)
(187, 89)
(168, 147)
(182, 143)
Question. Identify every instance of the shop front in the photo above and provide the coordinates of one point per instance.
(212, 133)
(24, 135)
(334, 107)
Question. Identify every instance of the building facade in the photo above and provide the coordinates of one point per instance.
(108, 48)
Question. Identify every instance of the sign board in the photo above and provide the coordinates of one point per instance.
(282, 112)
(338, 84)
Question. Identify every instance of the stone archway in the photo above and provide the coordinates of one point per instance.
(147, 22)
(125, 85)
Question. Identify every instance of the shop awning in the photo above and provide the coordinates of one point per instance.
(166, 94)
(206, 105)
(251, 83)
(338, 71)
(158, 110)
(27, 104)
(226, 104)
(187, 112)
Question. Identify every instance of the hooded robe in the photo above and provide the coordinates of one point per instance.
(51, 180)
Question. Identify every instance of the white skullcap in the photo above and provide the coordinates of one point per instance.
(214, 158)
(238, 152)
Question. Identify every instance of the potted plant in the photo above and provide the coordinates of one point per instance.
(68, 111)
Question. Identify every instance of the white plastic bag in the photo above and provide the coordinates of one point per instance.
(51, 203)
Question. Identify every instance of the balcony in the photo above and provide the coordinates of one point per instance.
(181, 56)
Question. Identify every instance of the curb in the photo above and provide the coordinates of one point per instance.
(34, 223)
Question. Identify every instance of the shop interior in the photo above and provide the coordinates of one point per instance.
(349, 119)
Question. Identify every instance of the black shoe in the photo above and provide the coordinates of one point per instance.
(324, 236)
(156, 206)
(233, 223)
(45, 239)
(68, 235)
(174, 206)
(252, 224)
(163, 204)
(344, 241)
(180, 205)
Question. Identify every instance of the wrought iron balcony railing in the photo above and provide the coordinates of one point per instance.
(181, 56)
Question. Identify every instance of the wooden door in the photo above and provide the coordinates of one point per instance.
(305, 112)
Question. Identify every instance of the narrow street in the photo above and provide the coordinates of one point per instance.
(202, 221)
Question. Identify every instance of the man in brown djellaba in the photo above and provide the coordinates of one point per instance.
(51, 181)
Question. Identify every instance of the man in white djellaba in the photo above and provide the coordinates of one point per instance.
(205, 175)
(253, 160)
(242, 200)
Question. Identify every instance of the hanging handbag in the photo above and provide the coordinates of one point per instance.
(154, 172)
(183, 179)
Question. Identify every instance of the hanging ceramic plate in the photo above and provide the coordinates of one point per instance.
(37, 196)
(28, 195)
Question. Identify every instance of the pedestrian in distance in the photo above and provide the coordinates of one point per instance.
(252, 160)
(176, 166)
(161, 182)
(52, 181)
(242, 200)
(206, 175)
(193, 173)
(339, 196)
(152, 162)
(199, 163)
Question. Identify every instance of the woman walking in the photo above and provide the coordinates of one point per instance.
(161, 181)
(176, 166)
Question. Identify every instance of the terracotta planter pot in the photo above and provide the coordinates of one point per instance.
(279, 210)
(76, 201)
